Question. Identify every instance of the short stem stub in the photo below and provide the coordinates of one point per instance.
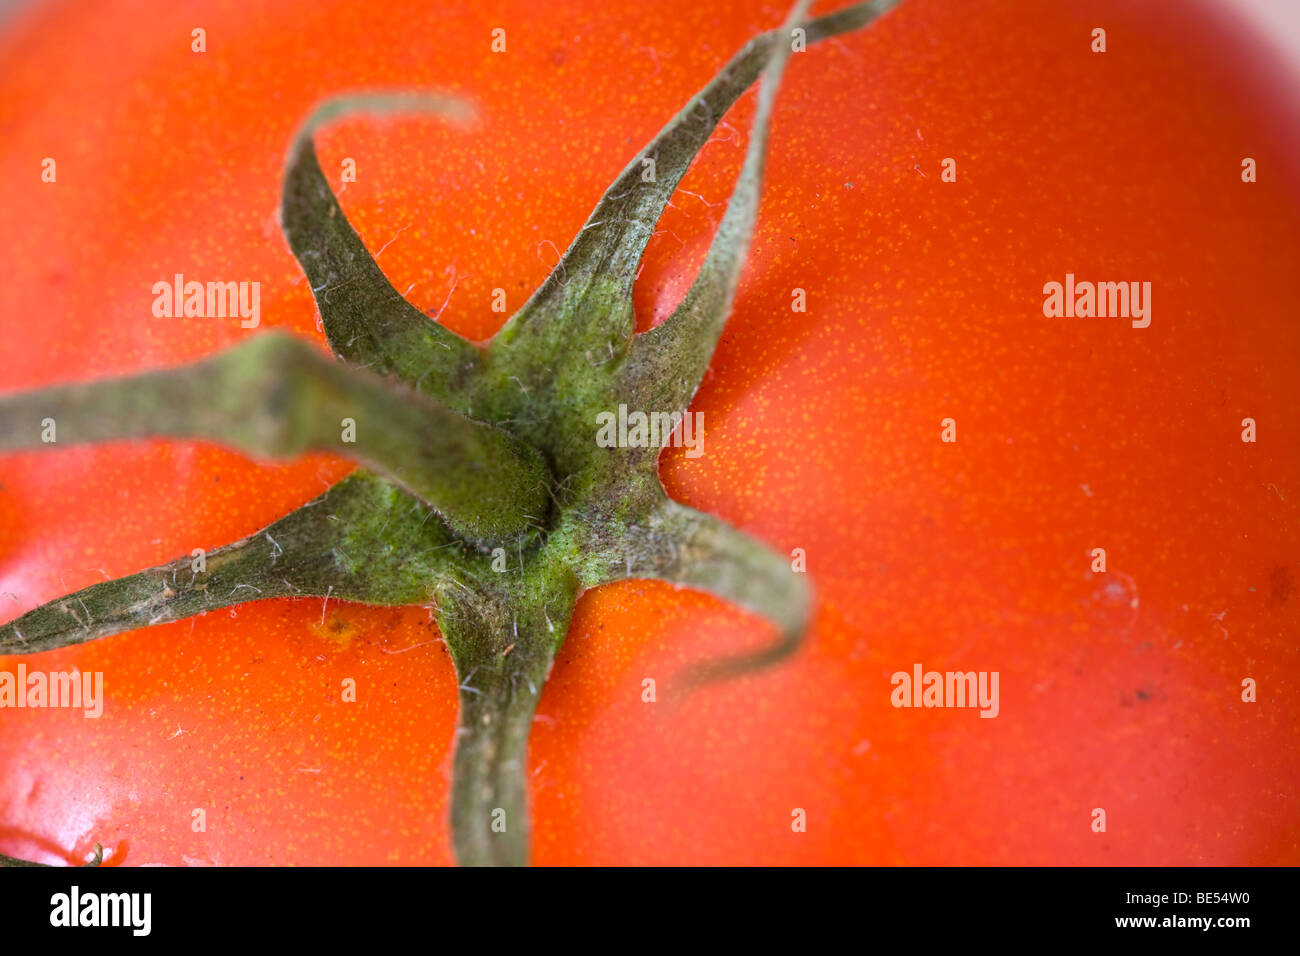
(489, 801)
(503, 641)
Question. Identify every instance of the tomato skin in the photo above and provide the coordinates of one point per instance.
(1119, 691)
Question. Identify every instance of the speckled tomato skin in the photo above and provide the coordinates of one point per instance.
(1119, 691)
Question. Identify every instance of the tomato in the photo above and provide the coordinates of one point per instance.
(1119, 690)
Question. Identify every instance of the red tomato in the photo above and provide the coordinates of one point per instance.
(1119, 690)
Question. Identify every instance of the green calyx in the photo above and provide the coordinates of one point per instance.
(484, 491)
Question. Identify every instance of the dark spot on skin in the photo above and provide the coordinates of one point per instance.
(1281, 582)
(1142, 695)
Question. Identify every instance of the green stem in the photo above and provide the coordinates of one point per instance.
(689, 548)
(593, 281)
(667, 364)
(276, 396)
(363, 540)
(489, 802)
(503, 637)
(367, 321)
